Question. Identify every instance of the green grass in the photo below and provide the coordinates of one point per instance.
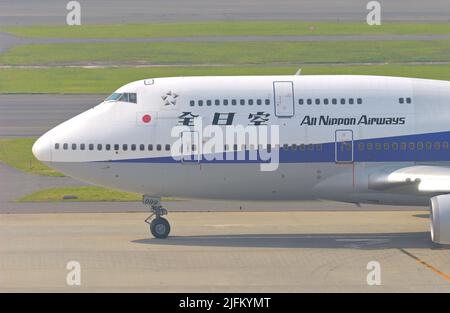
(17, 153)
(82, 194)
(226, 28)
(106, 80)
(235, 53)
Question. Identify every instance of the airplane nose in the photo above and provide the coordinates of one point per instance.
(42, 148)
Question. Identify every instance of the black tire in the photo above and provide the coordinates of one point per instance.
(160, 228)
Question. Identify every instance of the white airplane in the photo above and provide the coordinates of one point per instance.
(357, 139)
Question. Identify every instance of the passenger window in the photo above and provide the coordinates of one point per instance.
(82, 146)
(420, 145)
(309, 101)
(401, 100)
(445, 145)
(259, 102)
(403, 146)
(370, 146)
(294, 147)
(108, 147)
(302, 147)
(74, 146)
(142, 147)
(233, 102)
(208, 102)
(437, 146)
(133, 147)
(65, 146)
(91, 147)
(217, 102)
(267, 101)
(286, 147)
(412, 146)
(361, 147)
(116, 147)
(150, 147)
(408, 100)
(200, 103)
(56, 146)
(378, 146)
(351, 101)
(319, 147)
(342, 101)
(310, 147)
(325, 101)
(242, 102)
(250, 101)
(394, 146)
(225, 102)
(99, 147)
(334, 101)
(167, 147)
(158, 147)
(359, 101)
(386, 146)
(192, 103)
(300, 101)
(125, 147)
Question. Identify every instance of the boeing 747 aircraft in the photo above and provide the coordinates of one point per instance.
(357, 139)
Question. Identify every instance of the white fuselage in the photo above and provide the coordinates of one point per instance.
(334, 133)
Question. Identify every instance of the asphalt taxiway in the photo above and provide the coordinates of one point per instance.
(222, 252)
(23, 12)
(33, 115)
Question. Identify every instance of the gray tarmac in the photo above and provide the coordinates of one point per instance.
(23, 12)
(223, 252)
(33, 115)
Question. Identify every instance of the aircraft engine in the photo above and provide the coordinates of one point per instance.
(440, 219)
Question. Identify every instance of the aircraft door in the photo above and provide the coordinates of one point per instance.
(344, 149)
(283, 99)
(190, 147)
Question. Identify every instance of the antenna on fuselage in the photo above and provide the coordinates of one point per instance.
(299, 72)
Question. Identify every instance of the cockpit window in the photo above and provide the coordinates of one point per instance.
(114, 97)
(124, 97)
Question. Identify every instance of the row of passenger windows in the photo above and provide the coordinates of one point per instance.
(166, 147)
(327, 101)
(420, 145)
(309, 101)
(116, 147)
(229, 102)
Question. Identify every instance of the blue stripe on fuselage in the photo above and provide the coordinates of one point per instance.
(327, 152)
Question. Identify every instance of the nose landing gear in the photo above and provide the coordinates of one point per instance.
(159, 226)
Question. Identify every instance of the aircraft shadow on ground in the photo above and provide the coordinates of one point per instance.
(378, 241)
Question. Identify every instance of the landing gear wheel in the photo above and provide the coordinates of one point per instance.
(160, 228)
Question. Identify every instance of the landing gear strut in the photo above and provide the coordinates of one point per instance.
(159, 226)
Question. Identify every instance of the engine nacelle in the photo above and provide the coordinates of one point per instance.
(440, 219)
